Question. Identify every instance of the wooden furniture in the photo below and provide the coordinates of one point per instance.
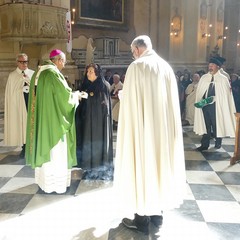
(236, 156)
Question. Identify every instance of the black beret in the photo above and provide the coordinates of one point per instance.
(215, 61)
(221, 59)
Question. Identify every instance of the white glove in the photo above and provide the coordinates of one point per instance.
(84, 95)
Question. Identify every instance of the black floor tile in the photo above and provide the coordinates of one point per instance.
(14, 203)
(196, 165)
(228, 148)
(26, 171)
(3, 181)
(190, 211)
(215, 155)
(230, 178)
(13, 160)
(189, 147)
(211, 192)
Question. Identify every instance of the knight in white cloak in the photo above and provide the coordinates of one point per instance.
(149, 165)
(217, 117)
(16, 99)
(222, 67)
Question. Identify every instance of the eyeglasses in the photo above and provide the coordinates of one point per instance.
(23, 62)
(63, 60)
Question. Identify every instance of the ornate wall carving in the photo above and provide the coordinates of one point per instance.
(32, 23)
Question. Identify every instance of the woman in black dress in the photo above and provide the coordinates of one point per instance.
(94, 126)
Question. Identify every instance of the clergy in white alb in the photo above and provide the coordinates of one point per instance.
(51, 136)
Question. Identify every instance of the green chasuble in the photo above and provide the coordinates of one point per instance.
(51, 114)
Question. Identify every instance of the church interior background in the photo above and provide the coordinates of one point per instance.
(186, 33)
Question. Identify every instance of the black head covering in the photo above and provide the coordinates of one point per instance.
(221, 59)
(215, 61)
(99, 84)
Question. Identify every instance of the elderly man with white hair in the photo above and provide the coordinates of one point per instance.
(149, 165)
(51, 136)
(16, 104)
(115, 88)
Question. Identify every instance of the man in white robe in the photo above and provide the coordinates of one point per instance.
(216, 118)
(149, 166)
(222, 67)
(114, 89)
(15, 111)
(190, 93)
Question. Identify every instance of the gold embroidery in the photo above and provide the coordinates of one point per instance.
(32, 120)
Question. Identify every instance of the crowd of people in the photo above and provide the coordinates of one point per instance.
(60, 128)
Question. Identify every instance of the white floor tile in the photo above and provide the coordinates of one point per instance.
(203, 177)
(193, 155)
(235, 191)
(9, 170)
(18, 185)
(40, 201)
(220, 211)
(224, 166)
(177, 227)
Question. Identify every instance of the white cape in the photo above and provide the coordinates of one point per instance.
(225, 107)
(149, 166)
(15, 112)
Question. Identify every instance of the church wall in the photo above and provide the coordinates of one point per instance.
(162, 30)
(37, 52)
(189, 49)
(230, 48)
(142, 13)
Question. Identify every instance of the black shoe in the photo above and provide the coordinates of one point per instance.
(157, 220)
(22, 154)
(185, 123)
(201, 148)
(217, 146)
(131, 224)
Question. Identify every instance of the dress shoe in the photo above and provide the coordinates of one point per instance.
(185, 123)
(157, 220)
(133, 224)
(217, 146)
(201, 148)
(22, 154)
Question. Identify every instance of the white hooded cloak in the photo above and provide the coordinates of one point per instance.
(15, 112)
(149, 166)
(225, 107)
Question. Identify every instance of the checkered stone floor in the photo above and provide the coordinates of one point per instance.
(210, 210)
